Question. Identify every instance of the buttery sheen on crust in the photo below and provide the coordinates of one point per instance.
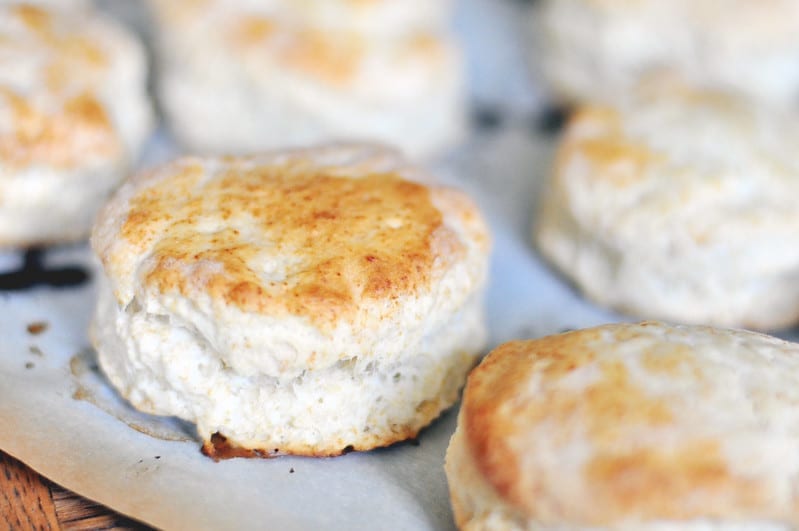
(630, 426)
(597, 50)
(300, 302)
(73, 116)
(241, 77)
(679, 206)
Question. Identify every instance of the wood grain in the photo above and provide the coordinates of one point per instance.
(76, 513)
(25, 501)
(29, 501)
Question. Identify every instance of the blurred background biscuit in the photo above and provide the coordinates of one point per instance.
(679, 205)
(376, 17)
(74, 115)
(239, 77)
(597, 50)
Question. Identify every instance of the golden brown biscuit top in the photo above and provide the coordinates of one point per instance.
(659, 130)
(273, 37)
(600, 426)
(596, 134)
(60, 139)
(51, 111)
(289, 238)
(701, 170)
(334, 57)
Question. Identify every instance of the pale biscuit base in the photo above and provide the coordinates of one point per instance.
(625, 427)
(301, 302)
(352, 405)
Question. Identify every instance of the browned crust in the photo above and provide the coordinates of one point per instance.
(59, 135)
(688, 480)
(334, 57)
(614, 157)
(352, 240)
(57, 138)
(331, 56)
(219, 447)
(499, 380)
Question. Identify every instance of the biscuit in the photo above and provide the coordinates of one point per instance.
(73, 117)
(597, 50)
(298, 302)
(374, 17)
(236, 80)
(630, 426)
(679, 206)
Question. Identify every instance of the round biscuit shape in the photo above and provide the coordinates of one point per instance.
(300, 302)
(630, 426)
(74, 115)
(678, 206)
(235, 80)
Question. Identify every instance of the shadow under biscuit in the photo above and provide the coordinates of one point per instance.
(33, 272)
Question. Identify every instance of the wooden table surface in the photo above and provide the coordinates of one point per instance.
(30, 501)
